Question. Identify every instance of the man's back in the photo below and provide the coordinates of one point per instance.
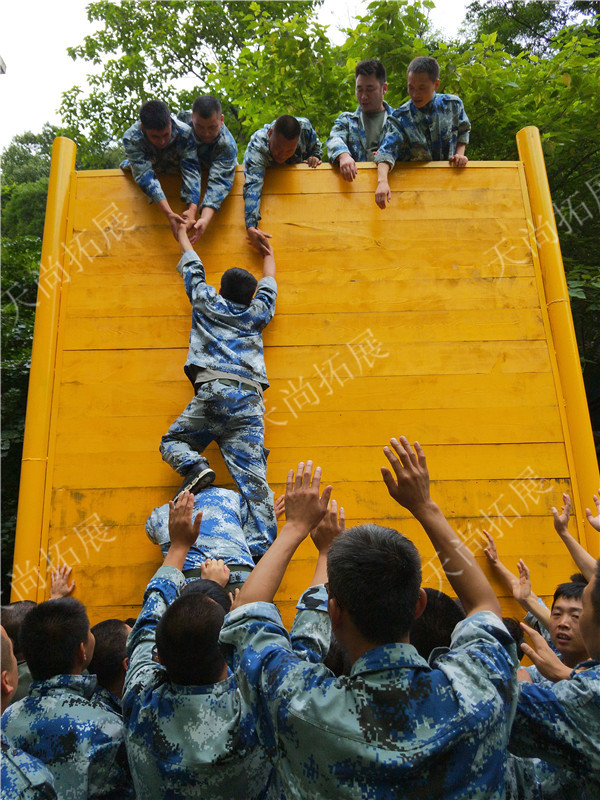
(77, 737)
(395, 727)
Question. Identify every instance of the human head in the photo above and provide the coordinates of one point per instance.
(283, 138)
(563, 627)
(374, 576)
(187, 640)
(211, 589)
(156, 123)
(207, 118)
(435, 625)
(371, 85)
(238, 285)
(589, 621)
(109, 662)
(9, 672)
(56, 638)
(423, 77)
(12, 619)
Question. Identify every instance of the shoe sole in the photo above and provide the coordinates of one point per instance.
(199, 482)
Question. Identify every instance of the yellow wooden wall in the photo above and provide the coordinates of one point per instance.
(426, 319)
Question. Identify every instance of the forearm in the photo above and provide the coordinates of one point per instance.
(460, 148)
(176, 556)
(320, 575)
(533, 606)
(585, 562)
(383, 170)
(165, 207)
(207, 213)
(464, 574)
(269, 267)
(265, 578)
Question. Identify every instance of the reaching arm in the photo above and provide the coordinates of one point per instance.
(410, 488)
(519, 587)
(330, 527)
(182, 531)
(383, 193)
(459, 159)
(548, 663)
(304, 510)
(594, 520)
(585, 562)
(268, 260)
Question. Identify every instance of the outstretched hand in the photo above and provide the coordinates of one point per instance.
(182, 531)
(61, 586)
(561, 521)
(329, 527)
(304, 509)
(548, 663)
(594, 520)
(215, 569)
(410, 486)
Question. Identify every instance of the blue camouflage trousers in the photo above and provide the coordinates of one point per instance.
(233, 417)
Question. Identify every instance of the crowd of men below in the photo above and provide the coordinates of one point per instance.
(380, 689)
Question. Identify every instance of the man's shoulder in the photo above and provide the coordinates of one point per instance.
(134, 132)
(226, 136)
(185, 116)
(448, 99)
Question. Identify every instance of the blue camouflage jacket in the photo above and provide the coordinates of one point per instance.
(198, 741)
(80, 741)
(258, 157)
(562, 721)
(226, 336)
(145, 160)
(23, 777)
(224, 513)
(396, 727)
(220, 159)
(348, 135)
(430, 133)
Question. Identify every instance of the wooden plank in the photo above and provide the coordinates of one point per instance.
(361, 296)
(419, 203)
(440, 426)
(390, 393)
(98, 475)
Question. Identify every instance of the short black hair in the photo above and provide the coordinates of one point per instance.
(435, 625)
(287, 126)
(238, 285)
(595, 596)
(13, 615)
(206, 105)
(425, 64)
(110, 650)
(572, 590)
(155, 115)
(211, 589)
(187, 640)
(513, 626)
(375, 575)
(130, 621)
(51, 635)
(371, 66)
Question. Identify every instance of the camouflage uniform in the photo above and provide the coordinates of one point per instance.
(145, 160)
(534, 779)
(430, 133)
(395, 727)
(224, 514)
(23, 777)
(219, 158)
(562, 721)
(196, 741)
(108, 699)
(226, 339)
(79, 740)
(258, 157)
(348, 135)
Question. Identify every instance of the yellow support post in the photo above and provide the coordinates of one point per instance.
(561, 321)
(41, 381)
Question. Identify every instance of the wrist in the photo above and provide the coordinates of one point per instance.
(426, 511)
(294, 530)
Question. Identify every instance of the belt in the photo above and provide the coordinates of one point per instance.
(238, 384)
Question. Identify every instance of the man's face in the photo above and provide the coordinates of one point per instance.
(207, 128)
(564, 630)
(90, 646)
(590, 631)
(280, 147)
(160, 139)
(369, 93)
(421, 88)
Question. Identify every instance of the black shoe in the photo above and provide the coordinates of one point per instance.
(198, 478)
